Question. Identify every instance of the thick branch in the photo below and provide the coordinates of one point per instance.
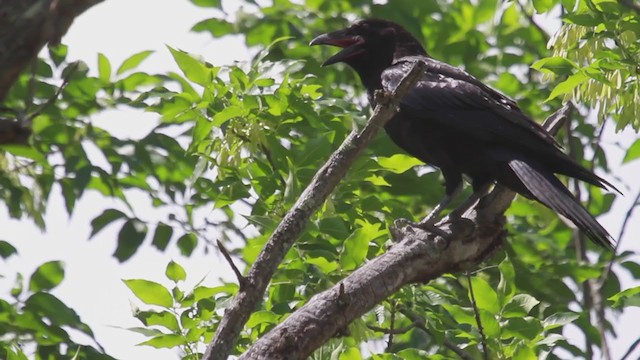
(296, 219)
(26, 26)
(418, 256)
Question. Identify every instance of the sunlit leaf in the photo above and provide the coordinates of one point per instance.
(150, 292)
(47, 276)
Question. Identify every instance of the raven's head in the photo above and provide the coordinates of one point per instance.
(367, 41)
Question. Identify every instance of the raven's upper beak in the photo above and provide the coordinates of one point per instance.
(351, 45)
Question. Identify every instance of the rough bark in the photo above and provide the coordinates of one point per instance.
(326, 179)
(417, 256)
(26, 26)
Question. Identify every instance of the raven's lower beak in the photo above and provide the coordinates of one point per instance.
(351, 45)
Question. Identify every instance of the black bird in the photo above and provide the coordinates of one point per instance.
(453, 121)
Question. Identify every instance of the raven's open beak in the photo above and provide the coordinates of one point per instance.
(351, 45)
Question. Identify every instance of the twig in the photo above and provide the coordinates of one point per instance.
(392, 324)
(627, 217)
(631, 349)
(392, 331)
(625, 223)
(241, 279)
(294, 222)
(529, 17)
(419, 321)
(476, 312)
(53, 99)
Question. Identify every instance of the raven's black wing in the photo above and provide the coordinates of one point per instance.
(457, 100)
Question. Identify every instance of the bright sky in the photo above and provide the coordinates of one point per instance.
(93, 286)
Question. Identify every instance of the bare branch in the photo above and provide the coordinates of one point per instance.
(290, 228)
(631, 349)
(242, 281)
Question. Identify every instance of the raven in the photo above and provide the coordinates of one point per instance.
(453, 121)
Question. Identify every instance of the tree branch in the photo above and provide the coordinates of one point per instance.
(417, 256)
(290, 228)
(28, 25)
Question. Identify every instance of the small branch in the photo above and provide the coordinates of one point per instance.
(625, 223)
(294, 222)
(72, 69)
(419, 322)
(241, 279)
(476, 312)
(631, 349)
(529, 17)
(627, 217)
(391, 331)
(392, 324)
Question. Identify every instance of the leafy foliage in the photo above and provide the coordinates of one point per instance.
(35, 322)
(235, 146)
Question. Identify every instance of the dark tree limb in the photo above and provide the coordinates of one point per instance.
(416, 257)
(28, 25)
(25, 27)
(294, 222)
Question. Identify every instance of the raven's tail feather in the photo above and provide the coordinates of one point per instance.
(547, 189)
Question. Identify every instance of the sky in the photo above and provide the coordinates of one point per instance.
(93, 284)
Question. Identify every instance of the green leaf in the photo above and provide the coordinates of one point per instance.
(506, 286)
(107, 217)
(323, 264)
(486, 297)
(489, 323)
(262, 317)
(357, 245)
(162, 236)
(47, 276)
(334, 226)
(130, 238)
(527, 328)
(58, 53)
(207, 3)
(187, 243)
(414, 354)
(542, 6)
(165, 341)
(352, 353)
(217, 27)
(104, 68)
(159, 318)
(45, 305)
(133, 61)
(194, 69)
(633, 152)
(568, 85)
(628, 297)
(519, 306)
(6, 249)
(175, 272)
(228, 113)
(25, 152)
(559, 319)
(555, 65)
(150, 292)
(398, 163)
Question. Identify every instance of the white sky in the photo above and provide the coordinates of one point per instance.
(93, 286)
